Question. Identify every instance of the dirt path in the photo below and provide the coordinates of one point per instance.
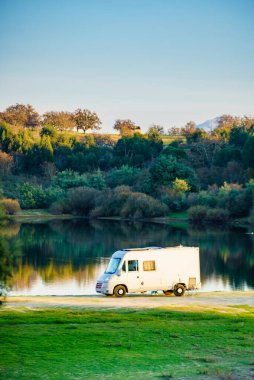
(220, 301)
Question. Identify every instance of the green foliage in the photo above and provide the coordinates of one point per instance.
(177, 152)
(125, 175)
(96, 180)
(85, 120)
(35, 196)
(81, 200)
(166, 169)
(121, 201)
(202, 215)
(10, 206)
(68, 178)
(136, 150)
(223, 156)
(48, 130)
(139, 205)
(248, 152)
(197, 214)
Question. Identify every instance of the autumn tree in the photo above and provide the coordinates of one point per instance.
(126, 127)
(85, 120)
(59, 120)
(21, 115)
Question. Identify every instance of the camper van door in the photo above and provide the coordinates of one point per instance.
(133, 275)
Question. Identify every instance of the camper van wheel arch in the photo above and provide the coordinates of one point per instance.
(179, 290)
(167, 292)
(119, 291)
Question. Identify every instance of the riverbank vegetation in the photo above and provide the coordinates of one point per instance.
(154, 344)
(45, 164)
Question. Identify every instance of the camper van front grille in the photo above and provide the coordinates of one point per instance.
(98, 285)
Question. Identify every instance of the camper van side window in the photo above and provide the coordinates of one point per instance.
(148, 265)
(133, 265)
(124, 267)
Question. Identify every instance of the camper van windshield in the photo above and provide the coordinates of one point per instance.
(112, 266)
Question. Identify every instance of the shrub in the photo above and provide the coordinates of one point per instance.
(110, 202)
(96, 180)
(197, 214)
(125, 175)
(10, 206)
(59, 207)
(217, 215)
(68, 178)
(174, 200)
(203, 198)
(35, 196)
(81, 200)
(139, 205)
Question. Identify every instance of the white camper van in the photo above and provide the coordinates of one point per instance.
(171, 270)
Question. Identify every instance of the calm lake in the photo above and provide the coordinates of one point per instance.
(65, 257)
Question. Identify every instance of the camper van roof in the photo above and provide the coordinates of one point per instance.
(141, 249)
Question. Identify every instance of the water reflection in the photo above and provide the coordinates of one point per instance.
(65, 257)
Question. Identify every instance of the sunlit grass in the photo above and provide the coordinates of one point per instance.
(125, 344)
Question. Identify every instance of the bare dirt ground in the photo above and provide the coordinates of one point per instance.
(229, 302)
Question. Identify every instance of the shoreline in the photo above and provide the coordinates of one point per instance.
(38, 215)
(232, 301)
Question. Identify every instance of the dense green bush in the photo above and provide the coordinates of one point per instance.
(202, 215)
(166, 169)
(68, 178)
(110, 202)
(81, 200)
(125, 175)
(10, 206)
(197, 214)
(139, 205)
(35, 196)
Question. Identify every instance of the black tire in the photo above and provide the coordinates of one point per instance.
(119, 291)
(179, 290)
(168, 292)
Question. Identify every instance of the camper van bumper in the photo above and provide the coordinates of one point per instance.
(103, 288)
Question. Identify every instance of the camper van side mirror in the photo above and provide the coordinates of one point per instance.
(118, 272)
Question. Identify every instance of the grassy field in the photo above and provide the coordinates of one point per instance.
(125, 344)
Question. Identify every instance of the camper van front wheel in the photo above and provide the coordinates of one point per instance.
(119, 291)
(179, 290)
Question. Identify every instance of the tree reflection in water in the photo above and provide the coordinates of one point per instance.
(75, 250)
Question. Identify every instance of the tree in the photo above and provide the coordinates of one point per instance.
(85, 120)
(189, 128)
(248, 153)
(166, 169)
(126, 127)
(59, 120)
(21, 115)
(156, 130)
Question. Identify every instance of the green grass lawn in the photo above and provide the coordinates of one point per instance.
(125, 344)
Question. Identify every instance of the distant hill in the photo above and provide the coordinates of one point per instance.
(209, 125)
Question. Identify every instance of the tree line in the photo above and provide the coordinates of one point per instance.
(209, 174)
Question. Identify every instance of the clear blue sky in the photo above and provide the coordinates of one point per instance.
(153, 61)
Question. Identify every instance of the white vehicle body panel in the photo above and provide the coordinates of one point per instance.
(156, 269)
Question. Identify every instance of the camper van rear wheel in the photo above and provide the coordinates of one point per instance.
(119, 291)
(179, 290)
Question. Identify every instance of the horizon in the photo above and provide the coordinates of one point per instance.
(152, 62)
